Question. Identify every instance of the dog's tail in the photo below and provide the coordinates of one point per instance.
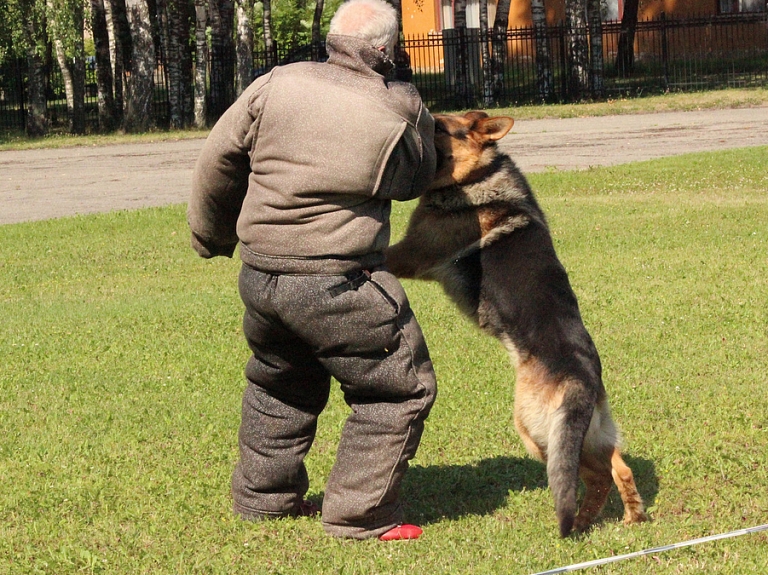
(566, 439)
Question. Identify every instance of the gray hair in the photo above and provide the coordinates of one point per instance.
(372, 20)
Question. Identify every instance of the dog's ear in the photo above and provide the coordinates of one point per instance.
(475, 115)
(493, 128)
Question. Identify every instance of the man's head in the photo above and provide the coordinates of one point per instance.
(372, 20)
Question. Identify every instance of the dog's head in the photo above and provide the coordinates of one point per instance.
(466, 146)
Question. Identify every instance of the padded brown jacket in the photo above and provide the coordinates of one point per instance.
(302, 168)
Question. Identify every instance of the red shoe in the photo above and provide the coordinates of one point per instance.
(401, 533)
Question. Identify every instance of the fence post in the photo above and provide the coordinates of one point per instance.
(664, 51)
(564, 71)
(765, 22)
(19, 70)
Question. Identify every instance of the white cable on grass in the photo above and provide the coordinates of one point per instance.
(578, 566)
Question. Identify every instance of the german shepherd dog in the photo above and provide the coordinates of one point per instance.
(480, 232)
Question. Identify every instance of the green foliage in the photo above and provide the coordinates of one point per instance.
(66, 24)
(122, 377)
(292, 22)
(32, 23)
(89, 47)
(26, 23)
(22, 26)
(5, 30)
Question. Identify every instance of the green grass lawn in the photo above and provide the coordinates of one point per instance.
(121, 380)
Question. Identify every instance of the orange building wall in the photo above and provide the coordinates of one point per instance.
(520, 13)
(422, 16)
(676, 8)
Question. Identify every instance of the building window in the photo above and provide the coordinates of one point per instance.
(739, 6)
(446, 14)
(473, 13)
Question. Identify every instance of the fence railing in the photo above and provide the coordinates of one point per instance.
(13, 96)
(669, 55)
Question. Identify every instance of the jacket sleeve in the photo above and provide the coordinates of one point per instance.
(424, 175)
(220, 181)
(411, 167)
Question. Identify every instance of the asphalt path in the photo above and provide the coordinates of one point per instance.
(51, 183)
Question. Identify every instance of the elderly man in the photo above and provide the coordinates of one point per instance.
(301, 171)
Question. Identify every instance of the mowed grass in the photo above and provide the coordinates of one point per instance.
(121, 380)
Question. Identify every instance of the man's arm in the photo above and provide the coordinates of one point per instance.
(411, 168)
(425, 127)
(220, 181)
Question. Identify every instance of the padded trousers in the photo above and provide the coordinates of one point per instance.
(303, 330)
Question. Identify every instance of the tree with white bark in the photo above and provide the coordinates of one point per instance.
(544, 76)
(141, 85)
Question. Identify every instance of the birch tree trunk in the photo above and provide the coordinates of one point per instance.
(270, 50)
(316, 20)
(162, 28)
(104, 78)
(544, 77)
(69, 84)
(178, 41)
(66, 28)
(462, 54)
(201, 63)
(33, 32)
(138, 110)
(78, 87)
(222, 78)
(485, 54)
(173, 20)
(37, 103)
(499, 46)
(594, 17)
(578, 48)
(244, 45)
(182, 29)
(111, 37)
(625, 54)
(122, 59)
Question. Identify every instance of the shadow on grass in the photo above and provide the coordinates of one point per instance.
(452, 491)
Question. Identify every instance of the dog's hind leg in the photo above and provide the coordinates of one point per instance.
(634, 511)
(543, 417)
(558, 430)
(595, 472)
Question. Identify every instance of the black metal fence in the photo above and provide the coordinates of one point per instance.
(13, 96)
(669, 55)
(12, 89)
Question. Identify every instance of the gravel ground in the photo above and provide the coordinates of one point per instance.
(51, 183)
